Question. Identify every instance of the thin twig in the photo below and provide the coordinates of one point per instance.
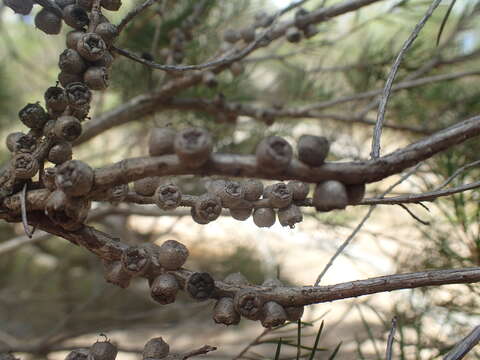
(391, 337)
(391, 77)
(410, 212)
(464, 346)
(201, 351)
(458, 172)
(132, 14)
(24, 212)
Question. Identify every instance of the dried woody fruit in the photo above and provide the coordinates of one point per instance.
(136, 260)
(193, 146)
(279, 195)
(330, 195)
(231, 193)
(312, 150)
(207, 208)
(91, 46)
(225, 313)
(23, 7)
(116, 274)
(155, 348)
(172, 255)
(68, 213)
(25, 166)
(168, 197)
(200, 286)
(75, 16)
(355, 193)
(71, 62)
(264, 217)
(253, 189)
(12, 140)
(103, 350)
(299, 189)
(78, 354)
(78, 95)
(146, 186)
(273, 154)
(112, 5)
(96, 78)
(290, 216)
(33, 116)
(48, 22)
(75, 178)
(73, 37)
(107, 31)
(273, 314)
(164, 289)
(60, 153)
(56, 99)
(67, 128)
(161, 141)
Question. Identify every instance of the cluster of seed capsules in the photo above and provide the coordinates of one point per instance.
(162, 266)
(155, 348)
(243, 199)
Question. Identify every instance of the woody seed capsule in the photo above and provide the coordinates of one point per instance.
(67, 128)
(12, 140)
(273, 154)
(103, 350)
(299, 189)
(240, 214)
(330, 195)
(253, 189)
(248, 304)
(279, 195)
(91, 47)
(96, 78)
(294, 313)
(161, 141)
(71, 62)
(73, 37)
(66, 78)
(168, 197)
(23, 7)
(68, 213)
(200, 286)
(112, 5)
(146, 186)
(207, 208)
(231, 193)
(230, 36)
(293, 35)
(264, 217)
(56, 99)
(172, 255)
(248, 34)
(290, 216)
(75, 178)
(116, 275)
(135, 260)
(78, 354)
(48, 22)
(33, 116)
(107, 31)
(75, 16)
(164, 289)
(273, 314)
(60, 153)
(312, 150)
(193, 146)
(155, 348)
(225, 313)
(25, 166)
(49, 178)
(355, 193)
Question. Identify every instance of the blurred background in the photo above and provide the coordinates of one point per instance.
(54, 294)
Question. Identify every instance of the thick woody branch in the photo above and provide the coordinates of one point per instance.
(110, 249)
(245, 166)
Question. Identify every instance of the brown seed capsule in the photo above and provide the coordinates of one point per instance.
(60, 153)
(300, 18)
(75, 16)
(299, 189)
(78, 354)
(264, 217)
(68, 213)
(248, 34)
(262, 19)
(78, 94)
(33, 116)
(136, 260)
(155, 348)
(66, 78)
(290, 216)
(241, 214)
(25, 166)
(207, 208)
(168, 197)
(161, 141)
(273, 314)
(273, 154)
(96, 78)
(56, 99)
(91, 47)
(225, 313)
(231, 193)
(200, 286)
(25, 144)
(118, 193)
(197, 218)
(103, 350)
(81, 112)
(116, 275)
(12, 140)
(355, 193)
(193, 146)
(312, 150)
(71, 62)
(23, 7)
(68, 128)
(253, 189)
(248, 304)
(231, 36)
(330, 195)
(164, 289)
(107, 31)
(73, 37)
(279, 195)
(146, 186)
(75, 178)
(172, 255)
(209, 79)
(294, 313)
(112, 5)
(48, 22)
(106, 60)
(49, 178)
(293, 35)
(236, 279)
